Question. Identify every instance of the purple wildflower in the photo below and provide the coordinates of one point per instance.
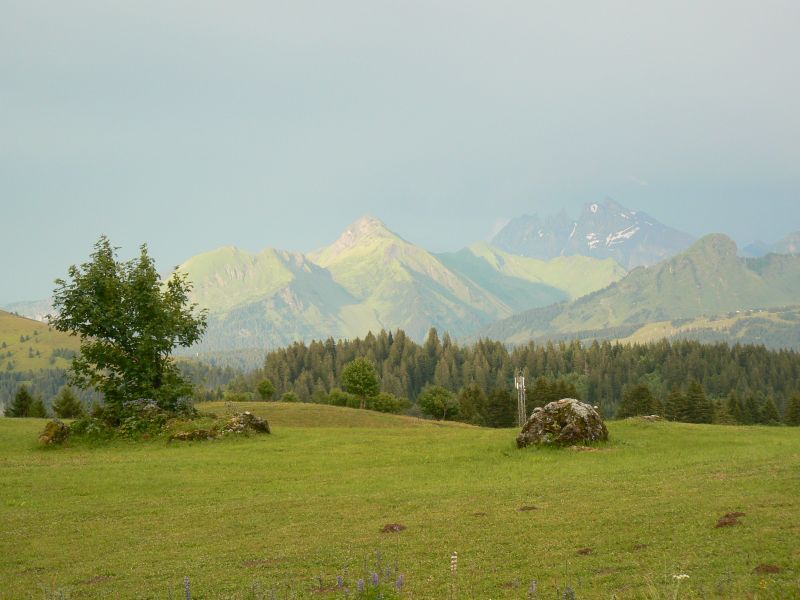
(339, 581)
(360, 585)
(376, 580)
(401, 581)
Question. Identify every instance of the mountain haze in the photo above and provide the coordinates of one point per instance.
(369, 279)
(602, 230)
(707, 279)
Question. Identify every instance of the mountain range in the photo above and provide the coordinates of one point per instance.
(707, 279)
(602, 230)
(537, 279)
(371, 278)
(788, 245)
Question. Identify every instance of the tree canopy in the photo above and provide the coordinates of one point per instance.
(129, 322)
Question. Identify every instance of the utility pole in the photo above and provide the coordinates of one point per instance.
(522, 413)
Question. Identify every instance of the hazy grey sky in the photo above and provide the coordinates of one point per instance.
(190, 125)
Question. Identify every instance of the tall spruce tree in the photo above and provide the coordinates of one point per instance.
(675, 406)
(501, 408)
(769, 414)
(472, 404)
(21, 405)
(701, 410)
(637, 400)
(792, 416)
(67, 405)
(38, 409)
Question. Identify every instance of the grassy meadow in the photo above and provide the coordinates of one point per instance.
(289, 512)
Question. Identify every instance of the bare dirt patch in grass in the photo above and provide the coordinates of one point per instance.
(730, 519)
(479, 514)
(527, 508)
(259, 562)
(585, 551)
(765, 569)
(97, 579)
(393, 528)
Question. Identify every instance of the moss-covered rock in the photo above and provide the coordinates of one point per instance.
(246, 422)
(563, 423)
(55, 432)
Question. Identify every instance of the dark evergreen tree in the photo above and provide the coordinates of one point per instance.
(501, 409)
(472, 404)
(675, 406)
(38, 409)
(637, 400)
(700, 408)
(21, 406)
(734, 406)
(769, 414)
(67, 405)
(792, 416)
(752, 411)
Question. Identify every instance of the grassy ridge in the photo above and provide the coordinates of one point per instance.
(131, 520)
(43, 341)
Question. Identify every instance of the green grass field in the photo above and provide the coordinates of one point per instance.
(277, 512)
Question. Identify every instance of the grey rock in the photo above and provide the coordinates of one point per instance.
(563, 423)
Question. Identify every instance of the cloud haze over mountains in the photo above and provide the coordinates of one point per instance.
(277, 124)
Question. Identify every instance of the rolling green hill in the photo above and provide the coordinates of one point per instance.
(27, 345)
(372, 279)
(708, 279)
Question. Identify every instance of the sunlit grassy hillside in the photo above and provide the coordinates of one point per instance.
(29, 345)
(292, 511)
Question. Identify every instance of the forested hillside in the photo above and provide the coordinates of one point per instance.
(600, 372)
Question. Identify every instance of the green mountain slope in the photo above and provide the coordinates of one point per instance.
(707, 279)
(27, 345)
(370, 279)
(405, 286)
(522, 282)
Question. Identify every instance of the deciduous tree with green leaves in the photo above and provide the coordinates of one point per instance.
(438, 402)
(359, 378)
(129, 322)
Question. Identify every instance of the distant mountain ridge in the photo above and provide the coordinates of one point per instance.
(707, 279)
(602, 230)
(788, 245)
(369, 279)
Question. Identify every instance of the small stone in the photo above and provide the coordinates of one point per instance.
(564, 422)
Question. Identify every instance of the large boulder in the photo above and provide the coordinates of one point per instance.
(55, 432)
(563, 423)
(245, 423)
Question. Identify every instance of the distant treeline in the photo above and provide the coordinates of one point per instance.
(600, 372)
(210, 381)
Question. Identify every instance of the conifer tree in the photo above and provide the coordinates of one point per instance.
(21, 405)
(67, 405)
(769, 414)
(637, 400)
(700, 408)
(540, 394)
(752, 411)
(792, 416)
(675, 406)
(501, 409)
(472, 404)
(38, 409)
(735, 408)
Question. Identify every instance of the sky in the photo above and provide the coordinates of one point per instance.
(192, 125)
